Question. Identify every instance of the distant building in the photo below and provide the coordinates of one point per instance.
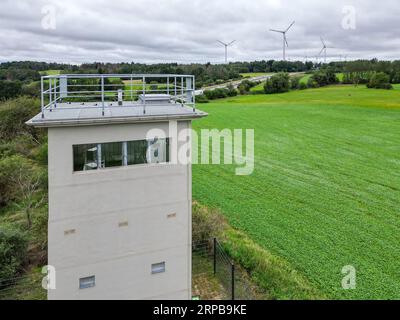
(119, 207)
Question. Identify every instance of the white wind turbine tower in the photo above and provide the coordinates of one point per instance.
(324, 48)
(285, 43)
(226, 45)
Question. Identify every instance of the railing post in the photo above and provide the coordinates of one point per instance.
(144, 94)
(102, 95)
(131, 89)
(50, 94)
(233, 280)
(215, 256)
(194, 95)
(175, 88)
(182, 91)
(167, 85)
(42, 95)
(55, 92)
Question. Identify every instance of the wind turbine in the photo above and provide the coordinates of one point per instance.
(226, 48)
(324, 47)
(285, 43)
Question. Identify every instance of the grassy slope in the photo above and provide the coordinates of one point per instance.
(254, 74)
(50, 72)
(326, 187)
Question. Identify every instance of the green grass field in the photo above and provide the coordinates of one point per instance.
(254, 74)
(50, 72)
(325, 192)
(305, 78)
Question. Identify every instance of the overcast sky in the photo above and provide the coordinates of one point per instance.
(77, 31)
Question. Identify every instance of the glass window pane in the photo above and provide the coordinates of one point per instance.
(111, 154)
(158, 267)
(85, 157)
(158, 151)
(137, 152)
(87, 282)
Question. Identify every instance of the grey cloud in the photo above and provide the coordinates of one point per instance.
(186, 31)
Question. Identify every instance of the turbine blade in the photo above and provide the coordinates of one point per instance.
(322, 50)
(224, 44)
(273, 30)
(323, 42)
(290, 26)
(287, 44)
(231, 42)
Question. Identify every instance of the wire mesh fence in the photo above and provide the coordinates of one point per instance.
(28, 287)
(216, 277)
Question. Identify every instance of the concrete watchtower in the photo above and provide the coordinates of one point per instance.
(119, 205)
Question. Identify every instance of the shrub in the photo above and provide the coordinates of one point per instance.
(32, 89)
(245, 86)
(295, 83)
(278, 83)
(220, 93)
(13, 115)
(302, 86)
(325, 77)
(201, 98)
(206, 223)
(10, 89)
(13, 248)
(311, 83)
(41, 154)
(17, 174)
(396, 77)
(380, 80)
(231, 91)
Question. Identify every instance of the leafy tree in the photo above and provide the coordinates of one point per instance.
(245, 86)
(324, 77)
(13, 248)
(396, 77)
(14, 114)
(302, 86)
(380, 80)
(10, 89)
(295, 82)
(277, 83)
(9, 168)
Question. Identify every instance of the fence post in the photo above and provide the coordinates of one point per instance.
(233, 281)
(42, 95)
(215, 256)
(102, 95)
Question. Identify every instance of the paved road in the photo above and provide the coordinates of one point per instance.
(237, 82)
(234, 83)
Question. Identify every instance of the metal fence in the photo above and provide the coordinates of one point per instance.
(220, 277)
(214, 275)
(104, 89)
(27, 287)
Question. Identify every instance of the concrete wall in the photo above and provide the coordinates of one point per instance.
(115, 223)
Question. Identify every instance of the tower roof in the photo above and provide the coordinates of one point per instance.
(73, 100)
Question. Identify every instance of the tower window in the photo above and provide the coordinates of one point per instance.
(158, 267)
(117, 154)
(87, 282)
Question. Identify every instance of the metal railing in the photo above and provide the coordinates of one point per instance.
(110, 90)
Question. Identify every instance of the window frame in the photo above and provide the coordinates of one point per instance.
(124, 156)
(89, 285)
(158, 267)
